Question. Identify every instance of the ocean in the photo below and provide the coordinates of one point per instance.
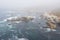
(25, 30)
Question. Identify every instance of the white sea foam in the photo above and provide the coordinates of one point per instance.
(22, 39)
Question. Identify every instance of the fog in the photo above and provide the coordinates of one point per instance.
(21, 4)
(26, 7)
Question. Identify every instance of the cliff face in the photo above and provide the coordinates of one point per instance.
(56, 12)
(53, 18)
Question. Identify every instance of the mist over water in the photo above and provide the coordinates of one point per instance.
(31, 30)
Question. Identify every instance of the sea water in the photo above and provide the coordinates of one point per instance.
(26, 31)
